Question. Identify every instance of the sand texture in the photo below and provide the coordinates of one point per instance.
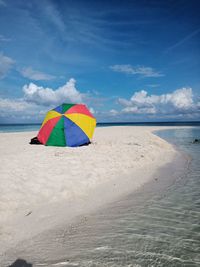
(42, 187)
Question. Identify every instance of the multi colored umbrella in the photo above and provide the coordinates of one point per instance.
(67, 125)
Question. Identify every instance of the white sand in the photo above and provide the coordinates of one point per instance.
(42, 187)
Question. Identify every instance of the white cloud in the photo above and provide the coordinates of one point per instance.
(17, 110)
(140, 70)
(6, 63)
(177, 102)
(37, 100)
(181, 98)
(35, 75)
(124, 102)
(12, 105)
(47, 96)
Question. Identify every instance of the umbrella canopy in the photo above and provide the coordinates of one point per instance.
(67, 125)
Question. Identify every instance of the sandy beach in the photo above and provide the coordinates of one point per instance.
(44, 187)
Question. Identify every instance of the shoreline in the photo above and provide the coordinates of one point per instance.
(42, 218)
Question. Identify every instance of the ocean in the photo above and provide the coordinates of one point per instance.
(36, 126)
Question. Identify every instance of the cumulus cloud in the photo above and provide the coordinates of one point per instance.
(12, 105)
(47, 96)
(140, 70)
(177, 102)
(124, 102)
(35, 75)
(37, 100)
(20, 111)
(181, 98)
(16, 110)
(6, 63)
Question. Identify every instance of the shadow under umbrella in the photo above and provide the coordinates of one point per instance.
(20, 263)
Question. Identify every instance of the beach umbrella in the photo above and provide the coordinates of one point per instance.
(67, 125)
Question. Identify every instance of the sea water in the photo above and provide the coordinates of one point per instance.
(25, 127)
(7, 128)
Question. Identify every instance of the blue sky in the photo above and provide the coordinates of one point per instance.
(127, 60)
